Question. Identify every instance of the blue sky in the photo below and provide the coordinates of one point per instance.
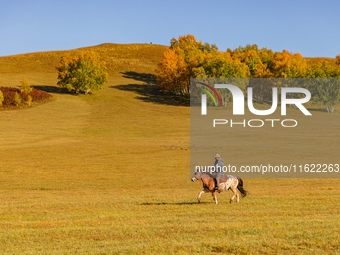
(307, 26)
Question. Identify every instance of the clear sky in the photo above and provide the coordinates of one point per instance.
(307, 26)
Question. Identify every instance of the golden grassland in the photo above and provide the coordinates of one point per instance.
(118, 58)
(109, 174)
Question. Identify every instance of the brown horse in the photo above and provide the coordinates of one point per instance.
(227, 182)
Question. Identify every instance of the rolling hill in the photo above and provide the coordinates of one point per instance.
(109, 173)
(141, 58)
(118, 57)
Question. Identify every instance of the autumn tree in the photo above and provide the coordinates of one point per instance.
(287, 65)
(337, 60)
(323, 69)
(193, 52)
(258, 62)
(266, 56)
(172, 73)
(25, 90)
(276, 65)
(255, 58)
(188, 58)
(175, 69)
(220, 65)
(82, 73)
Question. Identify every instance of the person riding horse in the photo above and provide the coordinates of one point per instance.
(218, 173)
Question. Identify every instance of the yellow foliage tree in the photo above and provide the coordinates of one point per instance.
(287, 65)
(172, 73)
(25, 86)
(221, 65)
(257, 60)
(26, 89)
(187, 58)
(322, 69)
(82, 73)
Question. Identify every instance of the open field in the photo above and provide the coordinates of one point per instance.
(109, 174)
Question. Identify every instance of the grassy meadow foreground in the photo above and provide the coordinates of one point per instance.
(109, 174)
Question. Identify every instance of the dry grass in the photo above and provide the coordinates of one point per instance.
(118, 57)
(109, 174)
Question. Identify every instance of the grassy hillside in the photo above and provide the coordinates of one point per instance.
(119, 57)
(109, 173)
(141, 58)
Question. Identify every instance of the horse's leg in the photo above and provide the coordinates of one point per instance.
(236, 191)
(199, 196)
(227, 186)
(233, 189)
(214, 197)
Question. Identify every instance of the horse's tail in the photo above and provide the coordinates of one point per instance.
(240, 187)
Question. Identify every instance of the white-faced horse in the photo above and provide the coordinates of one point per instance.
(231, 182)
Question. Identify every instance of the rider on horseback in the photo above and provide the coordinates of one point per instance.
(218, 174)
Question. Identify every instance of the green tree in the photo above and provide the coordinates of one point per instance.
(221, 65)
(25, 90)
(325, 87)
(326, 92)
(82, 73)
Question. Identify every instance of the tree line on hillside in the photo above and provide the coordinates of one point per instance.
(188, 58)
